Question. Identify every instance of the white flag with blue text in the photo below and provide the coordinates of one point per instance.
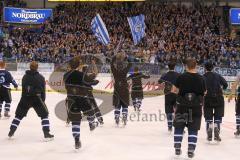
(137, 25)
(99, 30)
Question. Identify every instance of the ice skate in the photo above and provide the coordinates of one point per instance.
(0, 115)
(78, 144)
(217, 137)
(124, 120)
(135, 108)
(100, 120)
(93, 126)
(237, 133)
(209, 134)
(138, 109)
(11, 134)
(190, 155)
(117, 120)
(48, 137)
(178, 151)
(7, 115)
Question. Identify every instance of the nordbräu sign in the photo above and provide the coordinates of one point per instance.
(27, 16)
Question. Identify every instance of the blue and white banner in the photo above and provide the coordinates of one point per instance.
(27, 16)
(235, 16)
(137, 25)
(99, 30)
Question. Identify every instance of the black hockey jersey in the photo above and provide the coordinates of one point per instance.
(170, 76)
(137, 90)
(170, 79)
(214, 84)
(121, 88)
(78, 83)
(33, 84)
(191, 83)
(6, 79)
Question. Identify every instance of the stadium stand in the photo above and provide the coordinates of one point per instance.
(172, 31)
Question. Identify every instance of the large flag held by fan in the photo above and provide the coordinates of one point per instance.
(137, 25)
(100, 31)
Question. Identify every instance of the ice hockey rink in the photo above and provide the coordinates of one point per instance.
(139, 140)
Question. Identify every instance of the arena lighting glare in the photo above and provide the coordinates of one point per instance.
(96, 0)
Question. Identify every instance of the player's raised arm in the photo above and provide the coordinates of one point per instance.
(113, 61)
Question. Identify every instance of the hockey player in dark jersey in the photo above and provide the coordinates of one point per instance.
(92, 71)
(169, 79)
(120, 69)
(213, 102)
(77, 85)
(5, 91)
(137, 90)
(33, 95)
(236, 87)
(190, 87)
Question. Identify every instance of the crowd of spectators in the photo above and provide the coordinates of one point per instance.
(6, 44)
(173, 31)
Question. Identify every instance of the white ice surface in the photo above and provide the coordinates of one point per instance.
(137, 141)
